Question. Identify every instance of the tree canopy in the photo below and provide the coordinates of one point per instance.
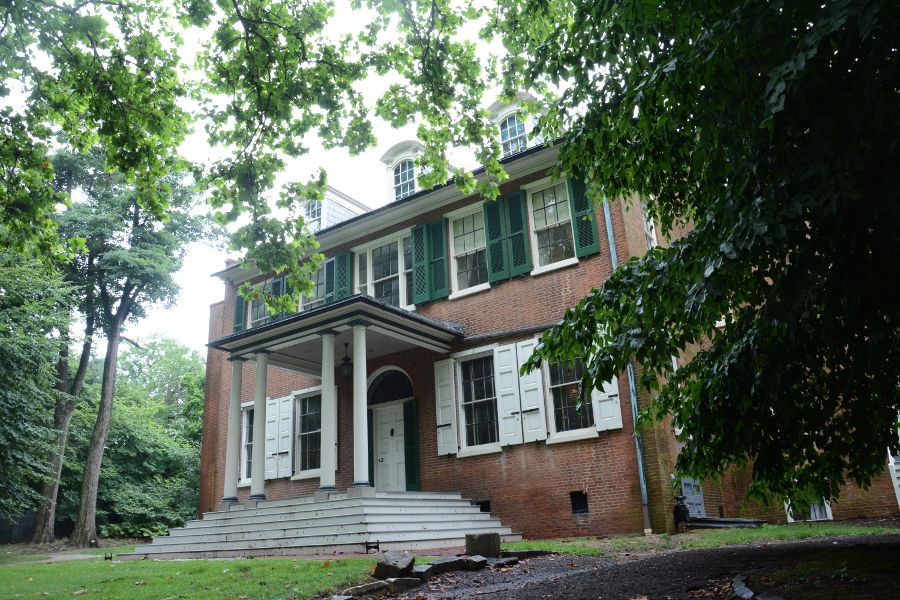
(767, 129)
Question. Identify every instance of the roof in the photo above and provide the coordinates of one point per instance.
(532, 158)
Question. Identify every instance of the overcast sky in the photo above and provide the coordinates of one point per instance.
(363, 177)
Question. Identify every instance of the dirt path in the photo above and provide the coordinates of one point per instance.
(687, 574)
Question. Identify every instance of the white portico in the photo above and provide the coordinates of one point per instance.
(308, 342)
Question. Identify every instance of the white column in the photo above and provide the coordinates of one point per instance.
(360, 416)
(233, 441)
(327, 464)
(258, 473)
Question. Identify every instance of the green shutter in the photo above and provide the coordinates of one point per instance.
(411, 446)
(584, 220)
(240, 313)
(371, 429)
(276, 288)
(495, 231)
(439, 282)
(421, 289)
(329, 281)
(343, 275)
(517, 234)
(288, 290)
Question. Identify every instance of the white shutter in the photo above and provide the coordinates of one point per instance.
(271, 426)
(285, 427)
(531, 393)
(506, 386)
(607, 410)
(445, 405)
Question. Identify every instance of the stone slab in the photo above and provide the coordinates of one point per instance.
(522, 554)
(476, 563)
(423, 572)
(402, 584)
(448, 564)
(483, 544)
(499, 563)
(394, 563)
(364, 589)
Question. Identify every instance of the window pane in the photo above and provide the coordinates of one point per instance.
(407, 268)
(555, 244)
(310, 432)
(567, 414)
(404, 179)
(479, 403)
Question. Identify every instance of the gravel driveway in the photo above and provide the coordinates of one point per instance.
(689, 574)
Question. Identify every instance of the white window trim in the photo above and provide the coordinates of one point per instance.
(556, 437)
(309, 473)
(501, 117)
(475, 289)
(458, 358)
(365, 250)
(415, 178)
(538, 269)
(452, 216)
(242, 481)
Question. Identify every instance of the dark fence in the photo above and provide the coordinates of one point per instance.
(19, 530)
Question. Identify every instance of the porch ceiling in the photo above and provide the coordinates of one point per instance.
(294, 344)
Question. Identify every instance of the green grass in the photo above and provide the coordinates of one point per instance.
(709, 538)
(113, 549)
(10, 556)
(226, 579)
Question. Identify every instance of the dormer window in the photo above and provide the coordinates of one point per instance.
(513, 138)
(404, 179)
(312, 213)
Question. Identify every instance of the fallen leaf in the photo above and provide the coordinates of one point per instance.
(29, 579)
(79, 592)
(140, 582)
(326, 564)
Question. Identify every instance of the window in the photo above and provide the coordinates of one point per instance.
(469, 256)
(312, 212)
(404, 179)
(319, 286)
(552, 224)
(247, 463)
(579, 503)
(385, 271)
(479, 401)
(567, 413)
(309, 432)
(512, 135)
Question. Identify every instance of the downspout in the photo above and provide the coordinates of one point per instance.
(632, 387)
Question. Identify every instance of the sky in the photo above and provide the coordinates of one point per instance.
(362, 177)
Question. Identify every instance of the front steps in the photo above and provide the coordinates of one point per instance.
(340, 524)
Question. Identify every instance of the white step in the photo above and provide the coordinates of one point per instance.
(338, 524)
(314, 540)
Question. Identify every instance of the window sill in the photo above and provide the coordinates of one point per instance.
(572, 436)
(475, 289)
(554, 266)
(478, 451)
(311, 474)
(244, 484)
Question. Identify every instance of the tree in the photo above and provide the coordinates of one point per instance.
(772, 129)
(103, 73)
(33, 301)
(128, 261)
(149, 478)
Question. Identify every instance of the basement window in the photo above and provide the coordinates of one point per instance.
(579, 503)
(484, 505)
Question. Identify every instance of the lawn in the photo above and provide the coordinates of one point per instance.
(704, 538)
(141, 579)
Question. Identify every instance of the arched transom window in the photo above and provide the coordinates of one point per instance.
(404, 179)
(512, 135)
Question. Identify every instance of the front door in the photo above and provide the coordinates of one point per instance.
(390, 456)
(693, 497)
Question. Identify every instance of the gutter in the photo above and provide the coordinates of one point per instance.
(632, 388)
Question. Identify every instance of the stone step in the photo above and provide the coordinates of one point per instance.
(195, 527)
(338, 503)
(308, 550)
(326, 510)
(346, 528)
(302, 541)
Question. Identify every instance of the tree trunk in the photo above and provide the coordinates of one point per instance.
(86, 526)
(66, 400)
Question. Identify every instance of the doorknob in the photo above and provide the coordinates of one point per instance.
(381, 460)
